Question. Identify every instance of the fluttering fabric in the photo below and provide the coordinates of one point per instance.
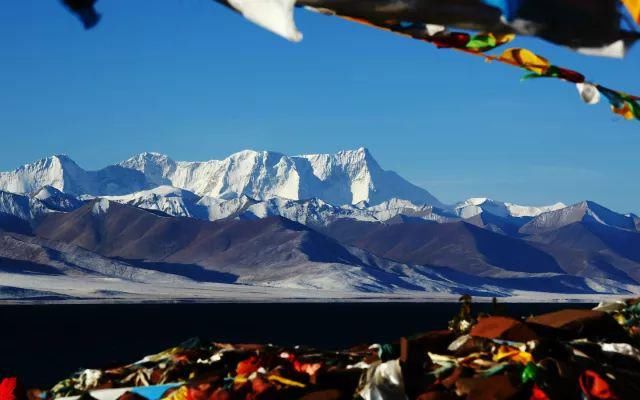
(623, 104)
(593, 27)
(585, 25)
(634, 8)
(84, 9)
(273, 15)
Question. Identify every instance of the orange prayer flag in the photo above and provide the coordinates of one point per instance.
(634, 8)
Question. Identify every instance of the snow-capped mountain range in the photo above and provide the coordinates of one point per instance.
(586, 211)
(314, 189)
(336, 221)
(348, 177)
(474, 206)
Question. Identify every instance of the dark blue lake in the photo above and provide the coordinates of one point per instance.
(45, 343)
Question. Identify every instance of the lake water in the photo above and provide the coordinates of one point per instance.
(43, 344)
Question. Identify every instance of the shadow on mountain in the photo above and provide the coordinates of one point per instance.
(26, 267)
(407, 219)
(459, 245)
(320, 248)
(512, 254)
(475, 284)
(610, 271)
(10, 223)
(625, 243)
(590, 249)
(392, 279)
(194, 272)
(507, 226)
(566, 284)
(16, 293)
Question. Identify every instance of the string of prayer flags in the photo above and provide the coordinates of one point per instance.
(593, 27)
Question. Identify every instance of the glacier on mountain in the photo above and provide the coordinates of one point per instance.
(62, 173)
(347, 177)
(312, 212)
(29, 208)
(475, 206)
(20, 207)
(313, 189)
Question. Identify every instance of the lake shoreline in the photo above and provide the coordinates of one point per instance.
(44, 343)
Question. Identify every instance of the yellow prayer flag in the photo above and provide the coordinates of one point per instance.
(634, 8)
(526, 59)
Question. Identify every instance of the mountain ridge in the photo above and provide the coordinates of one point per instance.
(346, 177)
(263, 219)
(271, 251)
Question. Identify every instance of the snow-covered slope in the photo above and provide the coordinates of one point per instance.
(586, 211)
(531, 211)
(311, 212)
(474, 206)
(315, 212)
(394, 207)
(311, 189)
(55, 200)
(268, 252)
(29, 208)
(366, 180)
(18, 212)
(155, 167)
(347, 177)
(19, 206)
(31, 177)
(215, 208)
(168, 199)
(183, 203)
(62, 173)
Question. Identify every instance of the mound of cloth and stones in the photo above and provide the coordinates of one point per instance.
(568, 354)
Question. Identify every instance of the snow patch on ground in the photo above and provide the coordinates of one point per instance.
(101, 206)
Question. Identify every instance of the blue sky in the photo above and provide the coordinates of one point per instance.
(193, 80)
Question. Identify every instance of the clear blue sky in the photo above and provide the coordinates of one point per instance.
(193, 80)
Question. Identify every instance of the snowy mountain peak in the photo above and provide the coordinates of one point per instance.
(155, 166)
(396, 203)
(56, 200)
(361, 153)
(146, 158)
(354, 160)
(476, 201)
(532, 211)
(585, 211)
(250, 153)
(477, 205)
(606, 216)
(157, 192)
(347, 177)
(29, 178)
(62, 158)
(46, 192)
(15, 205)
